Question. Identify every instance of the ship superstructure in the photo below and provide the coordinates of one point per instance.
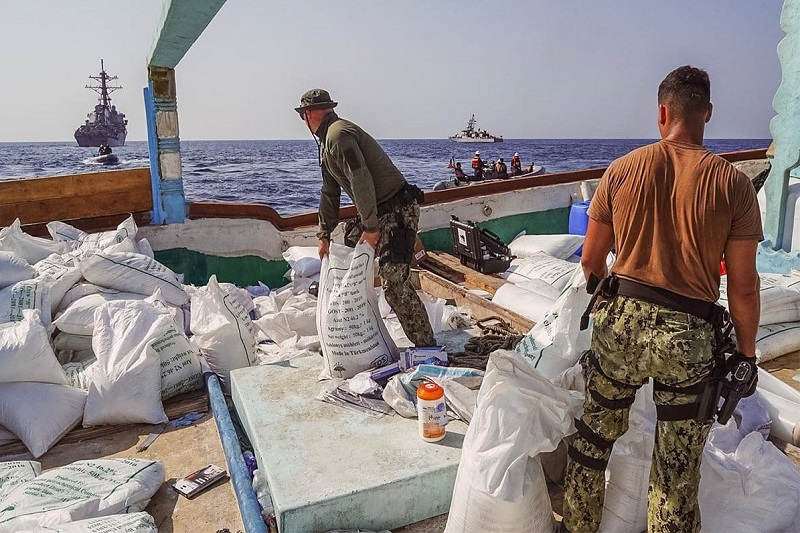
(104, 125)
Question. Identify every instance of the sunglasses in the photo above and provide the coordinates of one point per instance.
(302, 115)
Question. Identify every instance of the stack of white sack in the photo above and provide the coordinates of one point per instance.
(434, 308)
(82, 497)
(782, 402)
(779, 323)
(287, 323)
(56, 264)
(746, 483)
(224, 333)
(304, 262)
(352, 334)
(541, 266)
(500, 485)
(36, 402)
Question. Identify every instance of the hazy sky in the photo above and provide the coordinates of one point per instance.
(401, 69)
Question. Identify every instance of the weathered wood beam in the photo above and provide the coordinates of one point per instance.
(182, 22)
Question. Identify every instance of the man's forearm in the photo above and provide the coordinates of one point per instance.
(745, 312)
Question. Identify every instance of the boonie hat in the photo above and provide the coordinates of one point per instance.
(477, 153)
(315, 99)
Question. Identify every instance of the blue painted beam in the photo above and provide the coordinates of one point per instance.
(182, 22)
(157, 214)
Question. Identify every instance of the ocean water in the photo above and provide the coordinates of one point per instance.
(285, 174)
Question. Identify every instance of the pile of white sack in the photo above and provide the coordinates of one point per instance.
(96, 496)
(93, 330)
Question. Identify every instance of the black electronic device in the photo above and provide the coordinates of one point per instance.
(478, 248)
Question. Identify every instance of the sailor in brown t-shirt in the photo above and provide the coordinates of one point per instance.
(674, 210)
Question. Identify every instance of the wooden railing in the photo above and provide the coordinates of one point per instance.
(101, 200)
(96, 200)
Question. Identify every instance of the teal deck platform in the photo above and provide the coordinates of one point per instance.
(329, 467)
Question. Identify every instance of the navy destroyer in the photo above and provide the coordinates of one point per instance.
(471, 134)
(104, 125)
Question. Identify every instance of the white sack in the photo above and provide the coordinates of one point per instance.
(180, 367)
(67, 347)
(556, 342)
(63, 275)
(519, 415)
(296, 318)
(31, 249)
(555, 272)
(127, 245)
(6, 437)
(25, 352)
(77, 238)
(782, 402)
(140, 522)
(14, 268)
(13, 473)
(127, 386)
(39, 414)
(776, 340)
(80, 374)
(223, 331)
(755, 488)
(352, 334)
(780, 297)
(84, 489)
(304, 260)
(137, 273)
(532, 305)
(29, 294)
(78, 318)
(240, 295)
(558, 246)
(145, 248)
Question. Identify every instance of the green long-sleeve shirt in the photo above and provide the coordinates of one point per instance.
(352, 160)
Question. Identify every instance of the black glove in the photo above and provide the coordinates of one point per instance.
(748, 379)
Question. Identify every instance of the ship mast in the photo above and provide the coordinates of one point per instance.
(103, 89)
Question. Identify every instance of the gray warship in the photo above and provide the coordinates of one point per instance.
(104, 125)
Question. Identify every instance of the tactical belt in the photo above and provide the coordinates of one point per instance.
(402, 198)
(585, 460)
(708, 311)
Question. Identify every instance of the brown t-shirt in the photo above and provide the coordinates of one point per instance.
(674, 207)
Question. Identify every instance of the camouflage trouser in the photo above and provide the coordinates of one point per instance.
(632, 341)
(400, 294)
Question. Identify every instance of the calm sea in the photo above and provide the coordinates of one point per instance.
(285, 174)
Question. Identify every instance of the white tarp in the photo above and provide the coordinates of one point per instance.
(352, 333)
(84, 489)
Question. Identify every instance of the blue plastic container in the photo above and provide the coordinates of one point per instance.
(578, 220)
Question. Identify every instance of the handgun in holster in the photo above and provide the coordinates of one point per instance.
(597, 287)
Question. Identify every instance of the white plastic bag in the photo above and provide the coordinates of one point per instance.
(31, 249)
(352, 334)
(39, 414)
(126, 389)
(129, 272)
(14, 268)
(223, 331)
(25, 352)
(84, 489)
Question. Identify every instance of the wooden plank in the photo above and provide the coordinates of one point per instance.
(791, 451)
(481, 307)
(785, 368)
(174, 408)
(97, 183)
(32, 212)
(458, 273)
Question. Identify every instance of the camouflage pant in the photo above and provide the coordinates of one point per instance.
(400, 294)
(632, 341)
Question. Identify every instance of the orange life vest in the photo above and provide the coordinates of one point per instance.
(476, 162)
(515, 162)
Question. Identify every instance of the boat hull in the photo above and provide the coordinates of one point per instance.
(467, 140)
(98, 138)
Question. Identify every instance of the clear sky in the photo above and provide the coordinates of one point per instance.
(401, 69)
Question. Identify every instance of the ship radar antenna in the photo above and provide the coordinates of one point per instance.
(104, 89)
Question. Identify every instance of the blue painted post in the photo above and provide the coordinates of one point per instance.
(167, 147)
(157, 214)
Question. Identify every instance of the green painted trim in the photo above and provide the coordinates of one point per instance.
(245, 270)
(552, 221)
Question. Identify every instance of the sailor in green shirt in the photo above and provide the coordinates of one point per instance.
(387, 205)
